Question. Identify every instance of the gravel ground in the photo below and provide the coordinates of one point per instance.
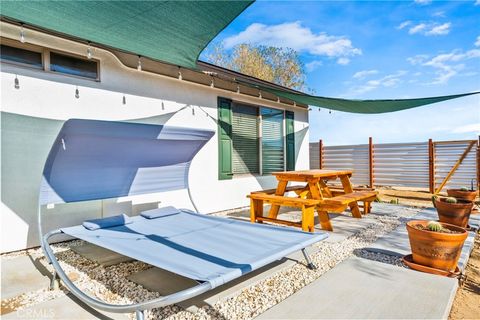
(110, 283)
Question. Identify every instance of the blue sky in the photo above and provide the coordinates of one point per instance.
(377, 50)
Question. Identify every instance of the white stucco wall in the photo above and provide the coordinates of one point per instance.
(51, 98)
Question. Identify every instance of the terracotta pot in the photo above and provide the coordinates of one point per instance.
(454, 213)
(459, 194)
(434, 249)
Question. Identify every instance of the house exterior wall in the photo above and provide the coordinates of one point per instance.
(33, 114)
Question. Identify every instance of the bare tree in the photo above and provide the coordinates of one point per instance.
(278, 65)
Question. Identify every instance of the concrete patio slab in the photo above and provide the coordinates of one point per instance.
(63, 308)
(165, 282)
(396, 243)
(22, 274)
(100, 255)
(365, 289)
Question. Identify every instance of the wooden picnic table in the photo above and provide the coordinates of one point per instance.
(315, 190)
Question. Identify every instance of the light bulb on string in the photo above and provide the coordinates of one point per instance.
(319, 109)
(89, 51)
(139, 64)
(309, 109)
(193, 111)
(260, 94)
(212, 83)
(124, 100)
(330, 111)
(16, 83)
(295, 104)
(180, 75)
(77, 93)
(238, 89)
(22, 34)
(163, 106)
(278, 99)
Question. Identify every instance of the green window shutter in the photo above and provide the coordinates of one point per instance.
(290, 140)
(272, 140)
(224, 138)
(245, 158)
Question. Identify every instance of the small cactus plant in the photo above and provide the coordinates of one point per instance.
(463, 189)
(450, 200)
(434, 226)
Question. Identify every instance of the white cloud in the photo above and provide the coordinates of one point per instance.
(440, 14)
(404, 24)
(430, 29)
(442, 29)
(387, 81)
(364, 73)
(343, 61)
(311, 66)
(477, 43)
(473, 127)
(418, 59)
(294, 35)
(423, 2)
(448, 65)
(477, 3)
(418, 28)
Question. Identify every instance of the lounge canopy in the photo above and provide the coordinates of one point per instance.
(170, 31)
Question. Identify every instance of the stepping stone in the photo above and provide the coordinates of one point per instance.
(21, 275)
(63, 308)
(100, 255)
(365, 289)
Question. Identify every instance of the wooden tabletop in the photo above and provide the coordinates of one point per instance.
(311, 174)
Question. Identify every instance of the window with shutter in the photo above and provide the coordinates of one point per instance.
(273, 154)
(245, 139)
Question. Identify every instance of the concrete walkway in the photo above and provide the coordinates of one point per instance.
(359, 288)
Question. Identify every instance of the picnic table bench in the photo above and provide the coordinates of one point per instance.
(316, 192)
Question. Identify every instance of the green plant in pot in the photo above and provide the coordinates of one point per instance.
(453, 211)
(463, 193)
(435, 244)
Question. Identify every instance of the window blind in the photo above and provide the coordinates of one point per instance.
(272, 140)
(245, 155)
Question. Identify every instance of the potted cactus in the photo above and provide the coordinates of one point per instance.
(453, 211)
(463, 193)
(435, 244)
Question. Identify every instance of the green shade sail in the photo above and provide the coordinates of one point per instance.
(361, 106)
(170, 31)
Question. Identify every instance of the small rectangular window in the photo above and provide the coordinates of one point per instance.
(73, 66)
(21, 56)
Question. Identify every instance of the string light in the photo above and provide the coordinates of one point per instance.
(238, 89)
(278, 99)
(295, 104)
(89, 51)
(139, 65)
(319, 109)
(260, 94)
(16, 83)
(212, 83)
(180, 75)
(77, 93)
(22, 34)
(163, 106)
(330, 111)
(309, 109)
(193, 111)
(124, 100)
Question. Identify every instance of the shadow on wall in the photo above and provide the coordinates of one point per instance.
(25, 144)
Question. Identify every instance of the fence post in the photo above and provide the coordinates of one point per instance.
(431, 167)
(478, 163)
(370, 161)
(320, 154)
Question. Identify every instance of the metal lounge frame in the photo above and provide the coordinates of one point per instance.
(138, 308)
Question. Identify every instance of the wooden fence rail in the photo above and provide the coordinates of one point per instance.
(432, 164)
